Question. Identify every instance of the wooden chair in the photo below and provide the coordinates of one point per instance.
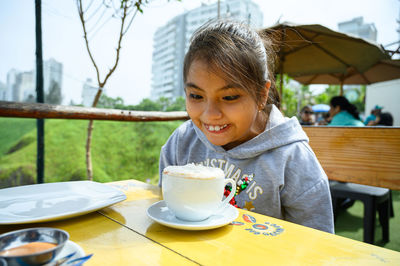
(366, 161)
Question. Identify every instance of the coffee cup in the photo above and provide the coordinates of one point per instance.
(195, 192)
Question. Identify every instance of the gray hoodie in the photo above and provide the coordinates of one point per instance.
(285, 179)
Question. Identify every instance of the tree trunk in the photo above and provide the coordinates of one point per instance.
(89, 168)
(125, 5)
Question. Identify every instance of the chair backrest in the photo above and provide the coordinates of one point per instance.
(363, 155)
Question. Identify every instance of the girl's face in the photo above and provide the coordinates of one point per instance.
(225, 113)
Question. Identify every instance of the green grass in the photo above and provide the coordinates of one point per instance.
(349, 223)
(120, 150)
(11, 130)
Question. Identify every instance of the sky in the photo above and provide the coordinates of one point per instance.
(63, 37)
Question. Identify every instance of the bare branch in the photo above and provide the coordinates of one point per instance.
(93, 15)
(130, 22)
(81, 16)
(90, 4)
(125, 7)
(106, 5)
(89, 17)
(121, 35)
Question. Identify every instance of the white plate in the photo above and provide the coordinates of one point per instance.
(160, 213)
(55, 201)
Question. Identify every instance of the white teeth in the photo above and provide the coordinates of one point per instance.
(216, 128)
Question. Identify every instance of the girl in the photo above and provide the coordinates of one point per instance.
(236, 125)
(343, 113)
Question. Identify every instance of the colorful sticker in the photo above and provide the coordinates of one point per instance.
(264, 229)
(236, 223)
(248, 218)
(260, 226)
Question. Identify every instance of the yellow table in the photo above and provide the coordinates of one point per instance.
(123, 235)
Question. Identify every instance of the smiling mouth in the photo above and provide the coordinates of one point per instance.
(215, 128)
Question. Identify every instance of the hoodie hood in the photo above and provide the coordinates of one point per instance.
(279, 131)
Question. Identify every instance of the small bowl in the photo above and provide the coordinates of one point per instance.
(41, 234)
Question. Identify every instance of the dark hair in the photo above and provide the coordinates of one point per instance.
(345, 105)
(244, 57)
(385, 119)
(305, 107)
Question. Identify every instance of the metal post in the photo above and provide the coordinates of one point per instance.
(39, 92)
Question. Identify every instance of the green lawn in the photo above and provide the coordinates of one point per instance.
(11, 130)
(120, 150)
(349, 224)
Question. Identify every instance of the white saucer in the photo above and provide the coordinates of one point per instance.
(69, 248)
(160, 213)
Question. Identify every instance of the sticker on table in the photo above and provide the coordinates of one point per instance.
(236, 223)
(265, 229)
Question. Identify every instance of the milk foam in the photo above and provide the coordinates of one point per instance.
(194, 171)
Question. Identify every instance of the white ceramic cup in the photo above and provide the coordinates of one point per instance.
(195, 192)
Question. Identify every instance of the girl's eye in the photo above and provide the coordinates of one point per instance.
(231, 98)
(195, 96)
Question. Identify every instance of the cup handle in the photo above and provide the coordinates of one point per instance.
(226, 201)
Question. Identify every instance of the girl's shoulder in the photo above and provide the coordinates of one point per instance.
(183, 132)
(186, 128)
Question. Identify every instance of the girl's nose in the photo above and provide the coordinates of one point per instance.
(212, 110)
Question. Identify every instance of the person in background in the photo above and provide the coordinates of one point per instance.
(324, 120)
(370, 120)
(307, 117)
(343, 113)
(384, 119)
(235, 124)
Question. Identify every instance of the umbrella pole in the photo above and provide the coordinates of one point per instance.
(341, 88)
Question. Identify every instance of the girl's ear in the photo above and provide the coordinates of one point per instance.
(265, 92)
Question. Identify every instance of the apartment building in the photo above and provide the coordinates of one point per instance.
(21, 85)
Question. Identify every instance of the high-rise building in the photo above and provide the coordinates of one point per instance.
(21, 86)
(3, 91)
(24, 87)
(88, 93)
(52, 73)
(357, 27)
(172, 40)
(10, 83)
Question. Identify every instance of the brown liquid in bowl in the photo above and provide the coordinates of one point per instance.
(27, 249)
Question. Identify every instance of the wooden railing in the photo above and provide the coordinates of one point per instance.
(364, 155)
(40, 110)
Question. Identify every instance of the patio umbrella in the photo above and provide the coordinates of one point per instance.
(314, 50)
(382, 71)
(321, 108)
